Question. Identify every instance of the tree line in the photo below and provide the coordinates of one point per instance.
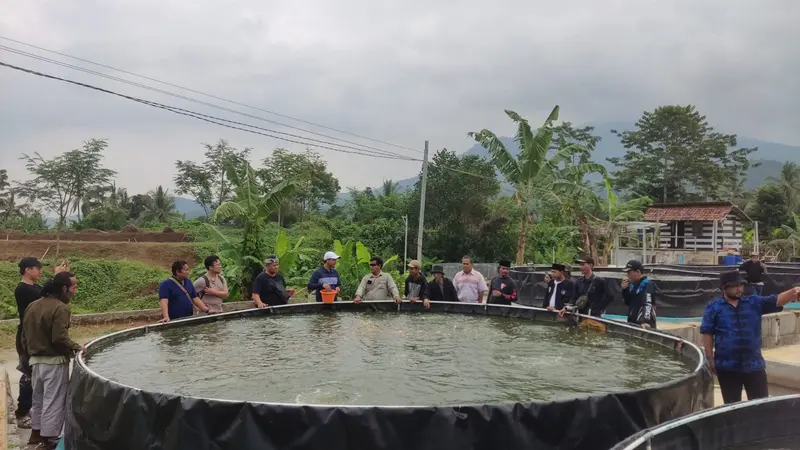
(545, 197)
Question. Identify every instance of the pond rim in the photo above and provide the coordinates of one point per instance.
(613, 326)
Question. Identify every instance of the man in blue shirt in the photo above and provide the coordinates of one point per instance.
(731, 331)
(177, 295)
(326, 277)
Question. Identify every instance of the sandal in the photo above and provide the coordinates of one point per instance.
(24, 422)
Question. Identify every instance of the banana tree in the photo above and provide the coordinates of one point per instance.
(536, 178)
(613, 214)
(251, 208)
(354, 264)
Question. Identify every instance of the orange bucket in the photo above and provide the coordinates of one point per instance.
(328, 296)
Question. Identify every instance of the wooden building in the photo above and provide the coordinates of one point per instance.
(697, 232)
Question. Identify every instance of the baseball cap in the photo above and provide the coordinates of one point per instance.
(633, 265)
(585, 259)
(28, 263)
(271, 259)
(330, 255)
(414, 264)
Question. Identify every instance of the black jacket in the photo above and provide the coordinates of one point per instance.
(566, 293)
(507, 288)
(445, 293)
(641, 301)
(594, 288)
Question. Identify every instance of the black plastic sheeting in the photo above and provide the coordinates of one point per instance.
(106, 415)
(678, 298)
(758, 425)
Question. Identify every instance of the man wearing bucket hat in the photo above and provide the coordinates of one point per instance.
(326, 277)
(731, 330)
(639, 294)
(441, 289)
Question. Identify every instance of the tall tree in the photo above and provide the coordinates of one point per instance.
(62, 183)
(580, 142)
(675, 155)
(770, 208)
(789, 182)
(160, 208)
(389, 188)
(536, 177)
(457, 210)
(207, 182)
(315, 185)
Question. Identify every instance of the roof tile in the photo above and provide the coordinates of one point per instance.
(668, 213)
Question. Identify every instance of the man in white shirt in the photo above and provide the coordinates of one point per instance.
(470, 284)
(560, 290)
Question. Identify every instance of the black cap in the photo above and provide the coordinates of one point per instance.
(437, 268)
(29, 262)
(557, 266)
(585, 259)
(504, 263)
(732, 278)
(633, 265)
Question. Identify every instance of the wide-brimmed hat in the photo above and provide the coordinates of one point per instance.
(437, 269)
(732, 278)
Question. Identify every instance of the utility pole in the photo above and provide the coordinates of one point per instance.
(405, 244)
(422, 202)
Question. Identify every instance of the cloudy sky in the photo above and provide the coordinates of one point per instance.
(398, 71)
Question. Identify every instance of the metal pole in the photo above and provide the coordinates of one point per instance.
(755, 239)
(422, 202)
(714, 242)
(405, 245)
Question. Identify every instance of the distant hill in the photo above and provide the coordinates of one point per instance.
(189, 208)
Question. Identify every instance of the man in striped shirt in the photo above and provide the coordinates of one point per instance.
(470, 284)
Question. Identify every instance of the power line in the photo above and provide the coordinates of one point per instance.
(204, 117)
(213, 96)
(183, 97)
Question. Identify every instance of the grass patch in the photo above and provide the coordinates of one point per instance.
(81, 334)
(103, 285)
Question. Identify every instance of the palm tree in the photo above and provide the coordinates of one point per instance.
(161, 207)
(389, 188)
(251, 208)
(789, 181)
(536, 178)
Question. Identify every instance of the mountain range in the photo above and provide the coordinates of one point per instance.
(770, 155)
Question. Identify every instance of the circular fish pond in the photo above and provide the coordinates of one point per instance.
(350, 376)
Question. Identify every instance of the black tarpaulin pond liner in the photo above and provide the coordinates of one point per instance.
(103, 414)
(769, 423)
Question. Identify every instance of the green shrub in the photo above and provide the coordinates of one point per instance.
(103, 285)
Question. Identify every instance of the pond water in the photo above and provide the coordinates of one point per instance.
(386, 358)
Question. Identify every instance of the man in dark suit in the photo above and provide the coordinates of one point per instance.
(560, 290)
(441, 289)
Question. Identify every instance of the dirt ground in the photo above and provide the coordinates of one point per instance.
(99, 236)
(154, 253)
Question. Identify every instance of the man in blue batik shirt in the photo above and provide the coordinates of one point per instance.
(731, 331)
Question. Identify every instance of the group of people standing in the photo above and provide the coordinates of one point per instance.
(44, 348)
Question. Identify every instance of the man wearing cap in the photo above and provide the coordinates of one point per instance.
(502, 289)
(441, 289)
(754, 271)
(639, 295)
(27, 291)
(470, 284)
(731, 330)
(377, 285)
(269, 287)
(593, 287)
(326, 277)
(560, 289)
(416, 284)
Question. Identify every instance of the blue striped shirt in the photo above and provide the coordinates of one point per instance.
(737, 331)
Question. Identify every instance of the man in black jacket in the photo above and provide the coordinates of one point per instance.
(560, 290)
(639, 294)
(593, 287)
(441, 289)
(754, 271)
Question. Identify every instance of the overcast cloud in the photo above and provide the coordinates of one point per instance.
(399, 71)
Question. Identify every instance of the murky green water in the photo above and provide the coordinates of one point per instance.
(386, 359)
